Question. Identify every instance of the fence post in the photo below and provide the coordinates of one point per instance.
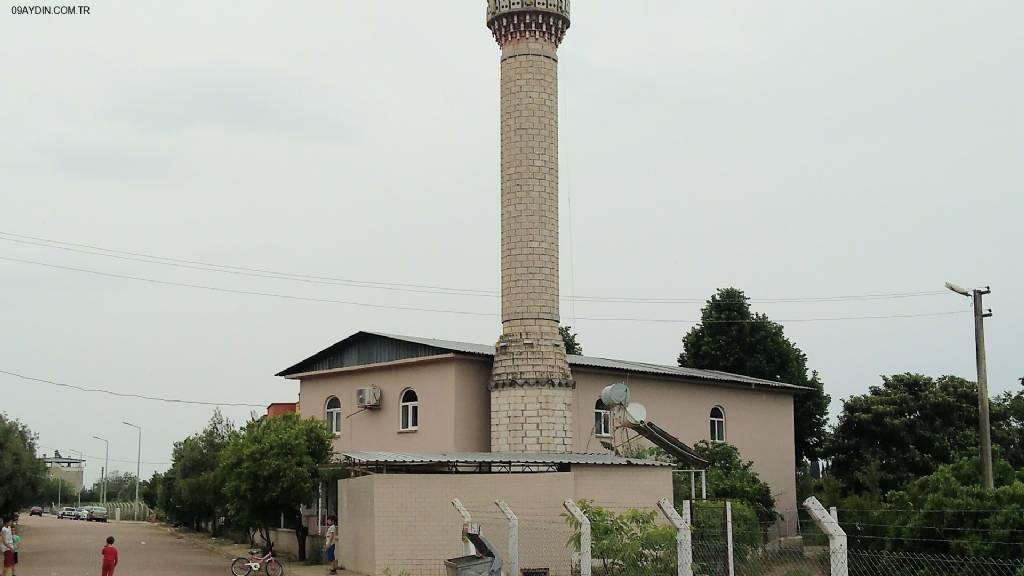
(836, 536)
(586, 563)
(684, 541)
(729, 558)
(467, 546)
(513, 538)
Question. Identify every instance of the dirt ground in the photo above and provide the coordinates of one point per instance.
(52, 547)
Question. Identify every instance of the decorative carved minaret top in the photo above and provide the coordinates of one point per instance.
(519, 19)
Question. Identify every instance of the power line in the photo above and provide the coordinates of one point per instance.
(129, 395)
(135, 256)
(455, 311)
(101, 458)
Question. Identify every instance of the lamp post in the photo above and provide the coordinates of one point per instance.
(106, 466)
(83, 477)
(138, 467)
(979, 356)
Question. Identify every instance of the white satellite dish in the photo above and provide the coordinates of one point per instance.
(636, 413)
(615, 395)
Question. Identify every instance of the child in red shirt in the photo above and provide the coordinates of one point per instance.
(109, 557)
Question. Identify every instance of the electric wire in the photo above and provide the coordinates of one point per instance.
(131, 395)
(457, 311)
(101, 458)
(136, 256)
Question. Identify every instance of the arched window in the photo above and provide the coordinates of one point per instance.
(410, 407)
(602, 419)
(717, 424)
(333, 411)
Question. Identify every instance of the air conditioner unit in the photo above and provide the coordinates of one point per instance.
(368, 397)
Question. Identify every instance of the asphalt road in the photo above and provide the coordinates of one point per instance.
(52, 547)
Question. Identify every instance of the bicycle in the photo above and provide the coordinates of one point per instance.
(252, 564)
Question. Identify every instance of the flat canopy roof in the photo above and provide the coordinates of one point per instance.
(374, 458)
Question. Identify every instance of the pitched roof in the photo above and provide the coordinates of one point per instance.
(349, 352)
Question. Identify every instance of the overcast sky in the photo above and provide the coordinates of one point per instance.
(791, 149)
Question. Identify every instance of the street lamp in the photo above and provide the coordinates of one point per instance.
(979, 356)
(138, 467)
(106, 467)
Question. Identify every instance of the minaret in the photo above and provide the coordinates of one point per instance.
(531, 386)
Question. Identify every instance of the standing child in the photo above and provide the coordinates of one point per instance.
(330, 539)
(109, 557)
(17, 546)
(7, 546)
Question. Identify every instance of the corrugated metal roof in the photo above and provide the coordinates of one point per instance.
(606, 363)
(370, 457)
(334, 357)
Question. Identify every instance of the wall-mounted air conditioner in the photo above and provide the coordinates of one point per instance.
(368, 397)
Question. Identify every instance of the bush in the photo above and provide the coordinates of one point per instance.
(627, 544)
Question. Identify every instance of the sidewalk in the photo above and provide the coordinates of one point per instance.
(231, 550)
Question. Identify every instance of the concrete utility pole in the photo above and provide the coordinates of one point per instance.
(979, 355)
(103, 472)
(138, 467)
(83, 474)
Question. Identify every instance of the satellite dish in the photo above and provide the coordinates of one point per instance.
(636, 413)
(615, 395)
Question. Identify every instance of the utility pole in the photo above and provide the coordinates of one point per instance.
(83, 475)
(980, 313)
(103, 471)
(138, 467)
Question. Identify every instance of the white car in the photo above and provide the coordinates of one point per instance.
(67, 512)
(82, 514)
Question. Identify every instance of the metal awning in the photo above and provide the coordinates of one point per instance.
(495, 462)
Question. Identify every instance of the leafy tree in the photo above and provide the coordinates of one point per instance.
(569, 339)
(946, 512)
(191, 490)
(120, 486)
(903, 430)
(150, 489)
(729, 477)
(271, 469)
(21, 473)
(731, 338)
(52, 490)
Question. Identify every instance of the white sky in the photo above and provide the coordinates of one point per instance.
(791, 149)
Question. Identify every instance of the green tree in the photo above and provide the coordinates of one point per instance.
(191, 491)
(271, 469)
(729, 477)
(21, 472)
(572, 346)
(731, 338)
(903, 430)
(946, 512)
(52, 490)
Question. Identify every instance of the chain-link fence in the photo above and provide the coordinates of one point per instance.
(703, 538)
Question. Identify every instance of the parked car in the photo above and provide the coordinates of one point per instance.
(83, 514)
(35, 511)
(97, 514)
(67, 512)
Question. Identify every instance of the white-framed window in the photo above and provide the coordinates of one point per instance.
(602, 419)
(717, 420)
(333, 413)
(410, 410)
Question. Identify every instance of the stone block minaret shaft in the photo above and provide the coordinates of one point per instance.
(531, 386)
